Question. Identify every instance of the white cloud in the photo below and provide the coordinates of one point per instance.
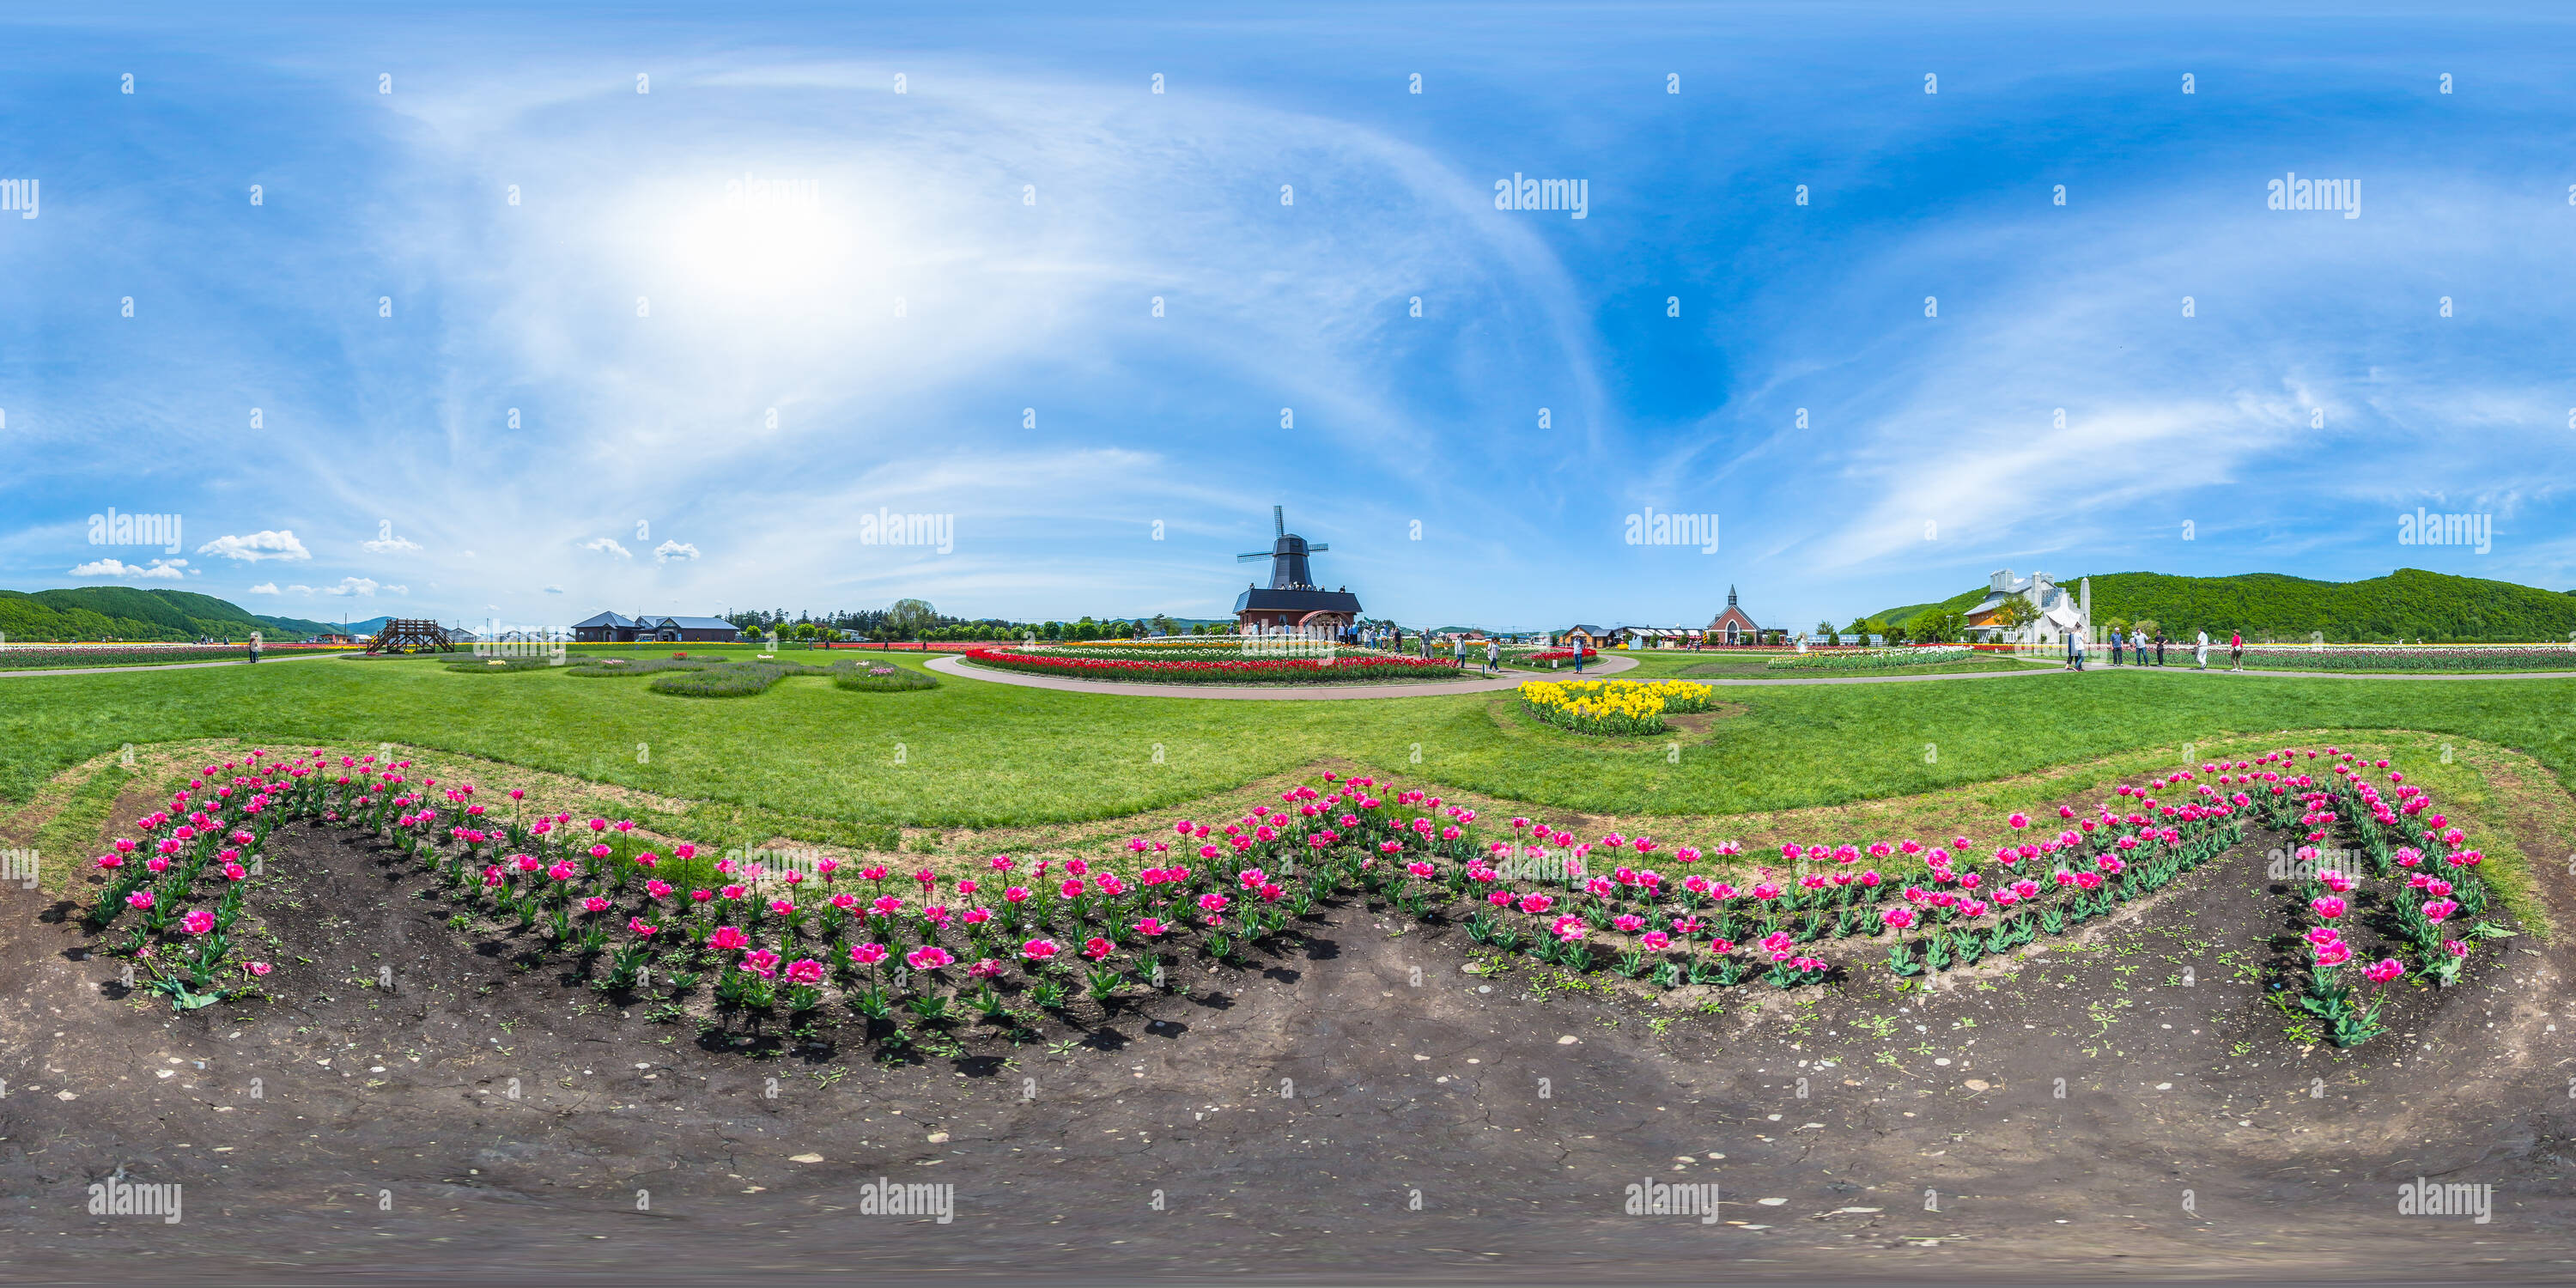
(670, 550)
(388, 544)
(361, 586)
(608, 545)
(264, 588)
(554, 590)
(280, 544)
(157, 570)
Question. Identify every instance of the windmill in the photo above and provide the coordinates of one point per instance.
(1287, 555)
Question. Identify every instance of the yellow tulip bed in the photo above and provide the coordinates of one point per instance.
(1613, 706)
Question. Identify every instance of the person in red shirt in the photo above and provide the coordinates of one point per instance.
(2236, 650)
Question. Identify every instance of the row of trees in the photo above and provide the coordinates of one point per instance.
(917, 619)
(1931, 626)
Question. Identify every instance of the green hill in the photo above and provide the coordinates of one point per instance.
(129, 613)
(2409, 602)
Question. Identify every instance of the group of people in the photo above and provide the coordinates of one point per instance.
(2137, 643)
(1393, 641)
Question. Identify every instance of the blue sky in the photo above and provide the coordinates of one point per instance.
(772, 295)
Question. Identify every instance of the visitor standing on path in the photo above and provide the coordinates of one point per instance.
(2160, 648)
(2115, 646)
(2200, 651)
(1493, 657)
(2236, 650)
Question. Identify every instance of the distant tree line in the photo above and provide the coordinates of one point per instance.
(915, 619)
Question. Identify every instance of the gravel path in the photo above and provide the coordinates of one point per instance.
(1283, 693)
(2371, 675)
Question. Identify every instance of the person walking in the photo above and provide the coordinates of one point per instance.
(2236, 650)
(1493, 658)
(1579, 651)
(2160, 648)
(2115, 646)
(2200, 651)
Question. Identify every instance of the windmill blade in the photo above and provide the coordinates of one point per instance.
(1249, 558)
(1323, 546)
(1279, 520)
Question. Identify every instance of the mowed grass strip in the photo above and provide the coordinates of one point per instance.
(970, 754)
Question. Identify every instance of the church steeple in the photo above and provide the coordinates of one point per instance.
(1730, 596)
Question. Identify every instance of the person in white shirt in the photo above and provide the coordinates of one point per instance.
(2200, 650)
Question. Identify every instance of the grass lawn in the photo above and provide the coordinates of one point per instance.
(978, 754)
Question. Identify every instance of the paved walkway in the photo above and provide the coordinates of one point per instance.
(2215, 669)
(1281, 693)
(169, 666)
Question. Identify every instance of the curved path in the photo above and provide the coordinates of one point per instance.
(2369, 675)
(166, 666)
(1281, 693)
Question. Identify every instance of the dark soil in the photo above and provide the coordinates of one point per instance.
(1440, 1125)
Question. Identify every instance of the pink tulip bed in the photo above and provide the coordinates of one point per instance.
(918, 952)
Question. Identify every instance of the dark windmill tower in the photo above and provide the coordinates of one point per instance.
(1287, 555)
(1292, 600)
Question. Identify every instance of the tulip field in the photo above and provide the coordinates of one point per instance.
(506, 925)
(745, 944)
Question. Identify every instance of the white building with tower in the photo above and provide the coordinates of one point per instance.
(2059, 612)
